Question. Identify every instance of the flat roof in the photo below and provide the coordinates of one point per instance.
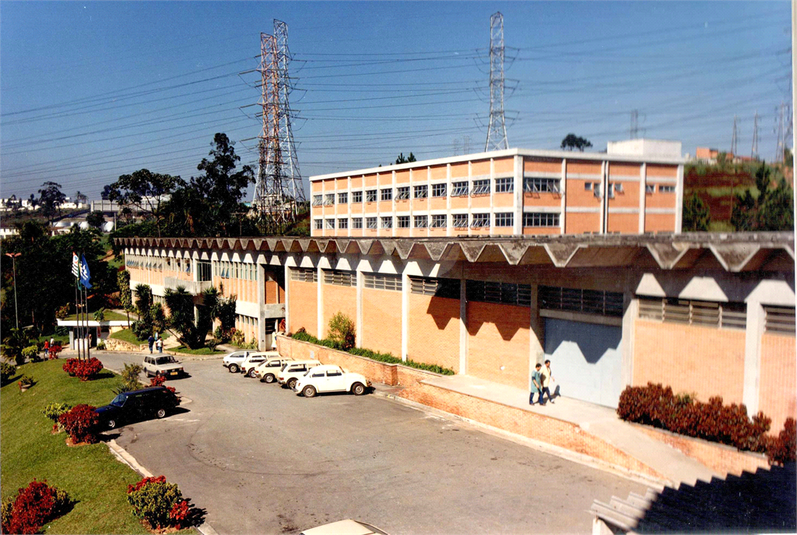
(595, 156)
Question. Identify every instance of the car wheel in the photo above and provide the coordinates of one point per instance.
(233, 368)
(269, 378)
(358, 389)
(291, 383)
(161, 413)
(308, 391)
(111, 424)
(252, 373)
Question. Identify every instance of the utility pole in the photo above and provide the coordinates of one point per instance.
(14, 271)
(754, 151)
(634, 131)
(734, 138)
(496, 131)
(782, 129)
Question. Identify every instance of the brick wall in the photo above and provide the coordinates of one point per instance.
(338, 299)
(499, 338)
(382, 321)
(778, 381)
(720, 458)
(703, 360)
(304, 306)
(434, 331)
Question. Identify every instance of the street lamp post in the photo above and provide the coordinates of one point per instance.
(14, 270)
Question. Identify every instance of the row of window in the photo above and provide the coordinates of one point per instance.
(157, 263)
(475, 188)
(234, 270)
(477, 220)
(596, 302)
(690, 312)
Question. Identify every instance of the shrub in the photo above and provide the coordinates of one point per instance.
(62, 312)
(53, 411)
(26, 381)
(157, 380)
(656, 405)
(31, 352)
(7, 371)
(237, 338)
(81, 423)
(100, 345)
(153, 500)
(180, 513)
(33, 507)
(84, 369)
(783, 448)
(341, 331)
(52, 353)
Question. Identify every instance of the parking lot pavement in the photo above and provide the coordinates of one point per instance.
(261, 459)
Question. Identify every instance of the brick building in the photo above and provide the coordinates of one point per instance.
(710, 314)
(634, 187)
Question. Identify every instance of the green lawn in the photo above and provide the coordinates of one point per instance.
(127, 335)
(90, 474)
(200, 351)
(110, 315)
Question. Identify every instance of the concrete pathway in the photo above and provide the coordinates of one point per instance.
(595, 419)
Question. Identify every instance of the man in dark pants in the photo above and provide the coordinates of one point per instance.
(536, 384)
(151, 341)
(547, 377)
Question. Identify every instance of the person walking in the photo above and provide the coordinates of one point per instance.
(159, 345)
(151, 342)
(547, 377)
(536, 384)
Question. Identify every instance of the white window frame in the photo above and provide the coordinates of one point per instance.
(459, 220)
(343, 197)
(357, 223)
(439, 190)
(370, 195)
(329, 224)
(329, 199)
(480, 220)
(505, 219)
(356, 196)
(505, 185)
(343, 223)
(459, 189)
(318, 200)
(480, 187)
(421, 221)
(386, 194)
(439, 221)
(403, 221)
(421, 191)
(402, 193)
(386, 222)
(371, 223)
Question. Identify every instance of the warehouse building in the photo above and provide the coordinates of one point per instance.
(710, 314)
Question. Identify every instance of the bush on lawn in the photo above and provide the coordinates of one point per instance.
(7, 371)
(157, 502)
(31, 353)
(130, 375)
(81, 423)
(783, 448)
(727, 424)
(33, 507)
(341, 331)
(53, 411)
(84, 369)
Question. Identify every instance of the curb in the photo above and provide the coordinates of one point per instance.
(124, 457)
(544, 447)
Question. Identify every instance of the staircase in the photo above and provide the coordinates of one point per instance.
(764, 501)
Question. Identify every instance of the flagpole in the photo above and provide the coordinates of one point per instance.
(77, 317)
(88, 328)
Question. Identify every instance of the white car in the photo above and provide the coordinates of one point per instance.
(267, 371)
(291, 371)
(233, 360)
(345, 527)
(331, 378)
(253, 360)
(165, 365)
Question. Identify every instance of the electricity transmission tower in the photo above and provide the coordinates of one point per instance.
(783, 130)
(754, 151)
(496, 132)
(634, 132)
(734, 139)
(278, 190)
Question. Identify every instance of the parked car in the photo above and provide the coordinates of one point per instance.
(165, 365)
(232, 361)
(331, 378)
(253, 360)
(291, 371)
(345, 527)
(267, 371)
(137, 405)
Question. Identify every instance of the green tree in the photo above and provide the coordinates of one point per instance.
(772, 210)
(696, 214)
(142, 328)
(408, 159)
(95, 219)
(572, 141)
(341, 331)
(51, 198)
(14, 342)
(146, 191)
(125, 295)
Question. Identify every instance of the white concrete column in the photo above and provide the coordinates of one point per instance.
(449, 222)
(537, 332)
(754, 330)
(359, 298)
(463, 328)
(643, 173)
(287, 296)
(604, 197)
(563, 188)
(261, 301)
(517, 228)
(630, 314)
(405, 313)
(679, 199)
(320, 301)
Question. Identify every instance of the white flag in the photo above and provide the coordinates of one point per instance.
(75, 265)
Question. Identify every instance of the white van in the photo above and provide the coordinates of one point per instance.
(267, 371)
(291, 371)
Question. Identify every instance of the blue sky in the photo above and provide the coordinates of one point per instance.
(93, 90)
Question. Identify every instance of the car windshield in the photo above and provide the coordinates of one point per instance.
(165, 360)
(118, 401)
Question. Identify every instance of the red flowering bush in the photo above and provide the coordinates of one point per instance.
(52, 353)
(81, 423)
(33, 507)
(157, 380)
(727, 424)
(783, 448)
(85, 369)
(180, 514)
(154, 500)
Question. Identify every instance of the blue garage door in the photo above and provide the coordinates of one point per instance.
(586, 360)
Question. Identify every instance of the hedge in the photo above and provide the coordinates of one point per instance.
(373, 355)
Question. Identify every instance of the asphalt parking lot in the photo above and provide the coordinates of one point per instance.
(261, 459)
